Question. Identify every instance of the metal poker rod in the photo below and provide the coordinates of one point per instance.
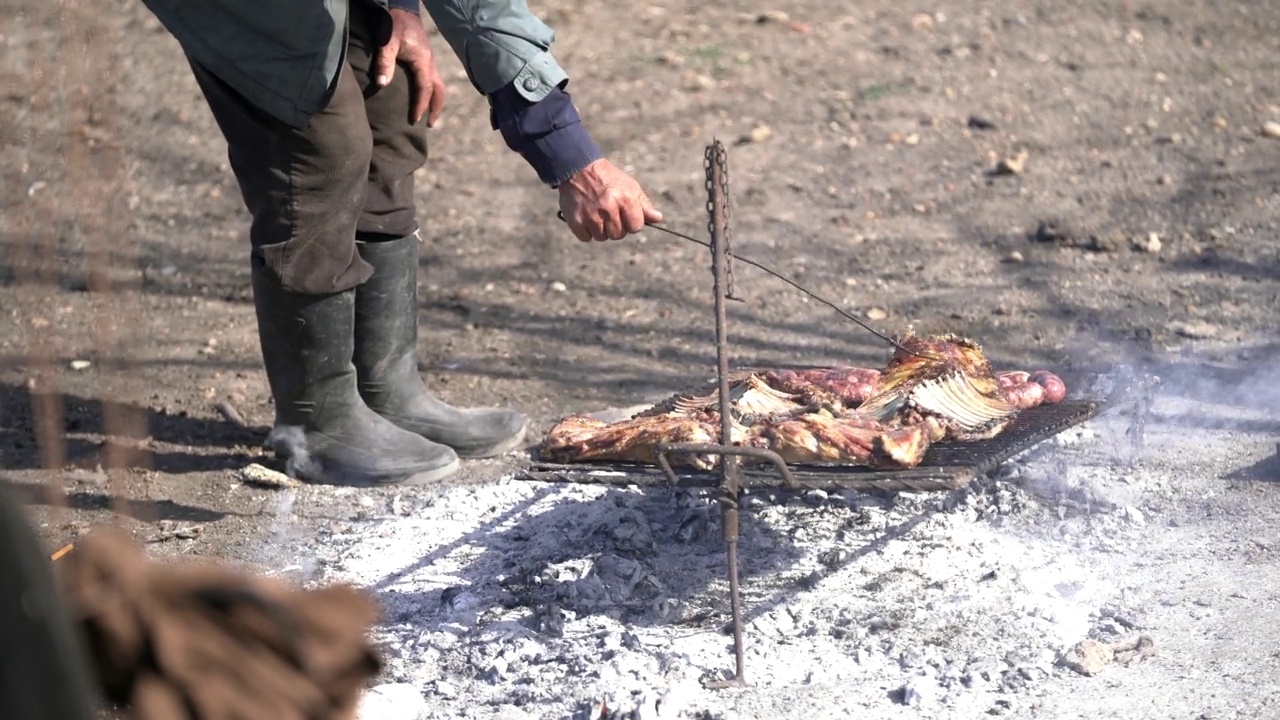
(788, 281)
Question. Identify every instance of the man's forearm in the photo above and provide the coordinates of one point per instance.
(548, 134)
(505, 51)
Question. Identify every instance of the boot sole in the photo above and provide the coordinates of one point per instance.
(357, 479)
(474, 453)
(314, 466)
(429, 477)
(498, 450)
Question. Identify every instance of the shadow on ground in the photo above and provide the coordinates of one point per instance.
(143, 510)
(64, 430)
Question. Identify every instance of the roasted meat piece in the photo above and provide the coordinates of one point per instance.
(824, 439)
(579, 438)
(850, 385)
(945, 383)
(750, 396)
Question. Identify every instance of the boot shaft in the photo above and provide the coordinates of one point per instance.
(386, 360)
(386, 317)
(307, 342)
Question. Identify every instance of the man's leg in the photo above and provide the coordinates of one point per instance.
(386, 305)
(305, 190)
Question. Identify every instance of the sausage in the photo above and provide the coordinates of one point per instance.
(1025, 395)
(1011, 378)
(1054, 389)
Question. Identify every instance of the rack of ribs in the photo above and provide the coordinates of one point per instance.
(933, 388)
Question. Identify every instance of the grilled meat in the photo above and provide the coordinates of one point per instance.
(840, 415)
(824, 439)
(580, 438)
(948, 386)
(1027, 390)
(850, 385)
(751, 398)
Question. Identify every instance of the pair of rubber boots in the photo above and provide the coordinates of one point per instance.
(351, 408)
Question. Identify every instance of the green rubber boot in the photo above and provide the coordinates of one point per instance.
(386, 361)
(323, 430)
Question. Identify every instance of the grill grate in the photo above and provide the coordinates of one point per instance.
(947, 465)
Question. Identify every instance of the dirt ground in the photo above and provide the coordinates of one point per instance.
(1141, 220)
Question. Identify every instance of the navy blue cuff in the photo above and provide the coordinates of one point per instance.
(413, 6)
(548, 134)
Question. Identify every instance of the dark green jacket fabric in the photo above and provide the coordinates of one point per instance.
(284, 56)
(44, 668)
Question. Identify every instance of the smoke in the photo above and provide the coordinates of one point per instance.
(1161, 397)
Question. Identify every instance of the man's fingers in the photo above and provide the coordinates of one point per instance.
(632, 217)
(651, 214)
(436, 106)
(422, 87)
(581, 231)
(577, 224)
(384, 63)
(613, 226)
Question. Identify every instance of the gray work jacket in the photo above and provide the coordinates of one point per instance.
(284, 56)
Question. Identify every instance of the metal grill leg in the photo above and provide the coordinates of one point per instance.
(718, 208)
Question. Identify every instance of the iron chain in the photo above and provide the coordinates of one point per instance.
(716, 157)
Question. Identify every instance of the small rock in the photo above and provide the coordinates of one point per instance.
(912, 139)
(980, 123)
(1165, 179)
(558, 287)
(982, 670)
(1195, 330)
(444, 689)
(702, 81)
(918, 691)
(922, 21)
(393, 701)
(1151, 244)
(1220, 122)
(1271, 129)
(262, 476)
(1106, 243)
(1014, 257)
(79, 365)
(1013, 165)
(1089, 657)
(876, 313)
(1134, 515)
(769, 16)
(1055, 230)
(1135, 650)
(758, 134)
(816, 496)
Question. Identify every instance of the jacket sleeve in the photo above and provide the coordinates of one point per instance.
(500, 42)
(506, 52)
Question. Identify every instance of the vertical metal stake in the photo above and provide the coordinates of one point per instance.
(717, 205)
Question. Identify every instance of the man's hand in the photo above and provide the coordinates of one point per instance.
(601, 202)
(408, 44)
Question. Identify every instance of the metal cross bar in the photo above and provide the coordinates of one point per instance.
(664, 449)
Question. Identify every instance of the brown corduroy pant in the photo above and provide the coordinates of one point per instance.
(310, 190)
